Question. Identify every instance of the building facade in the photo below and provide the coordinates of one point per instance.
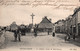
(59, 26)
(71, 24)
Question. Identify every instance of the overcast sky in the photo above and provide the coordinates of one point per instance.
(21, 14)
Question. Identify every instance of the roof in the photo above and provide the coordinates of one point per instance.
(76, 10)
(45, 20)
(45, 23)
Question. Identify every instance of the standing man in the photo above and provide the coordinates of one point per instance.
(48, 32)
(35, 32)
(19, 34)
(74, 36)
(15, 29)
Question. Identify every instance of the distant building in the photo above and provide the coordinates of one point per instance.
(59, 26)
(45, 25)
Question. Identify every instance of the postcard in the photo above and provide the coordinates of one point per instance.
(39, 25)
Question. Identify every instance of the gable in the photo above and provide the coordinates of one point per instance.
(45, 23)
(45, 20)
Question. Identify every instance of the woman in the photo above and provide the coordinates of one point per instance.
(53, 32)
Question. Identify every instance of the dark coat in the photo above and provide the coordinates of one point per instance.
(53, 34)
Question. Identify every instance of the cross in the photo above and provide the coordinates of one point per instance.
(32, 17)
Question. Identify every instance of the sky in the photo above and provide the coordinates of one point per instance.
(21, 14)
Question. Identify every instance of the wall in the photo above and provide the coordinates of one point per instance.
(79, 17)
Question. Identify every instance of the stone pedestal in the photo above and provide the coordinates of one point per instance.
(32, 30)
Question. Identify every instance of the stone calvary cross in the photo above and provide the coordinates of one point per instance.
(32, 29)
(32, 17)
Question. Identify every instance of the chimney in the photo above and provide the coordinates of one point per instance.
(45, 16)
(50, 19)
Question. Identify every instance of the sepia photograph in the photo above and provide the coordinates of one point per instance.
(40, 25)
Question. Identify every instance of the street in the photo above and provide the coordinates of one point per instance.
(42, 40)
